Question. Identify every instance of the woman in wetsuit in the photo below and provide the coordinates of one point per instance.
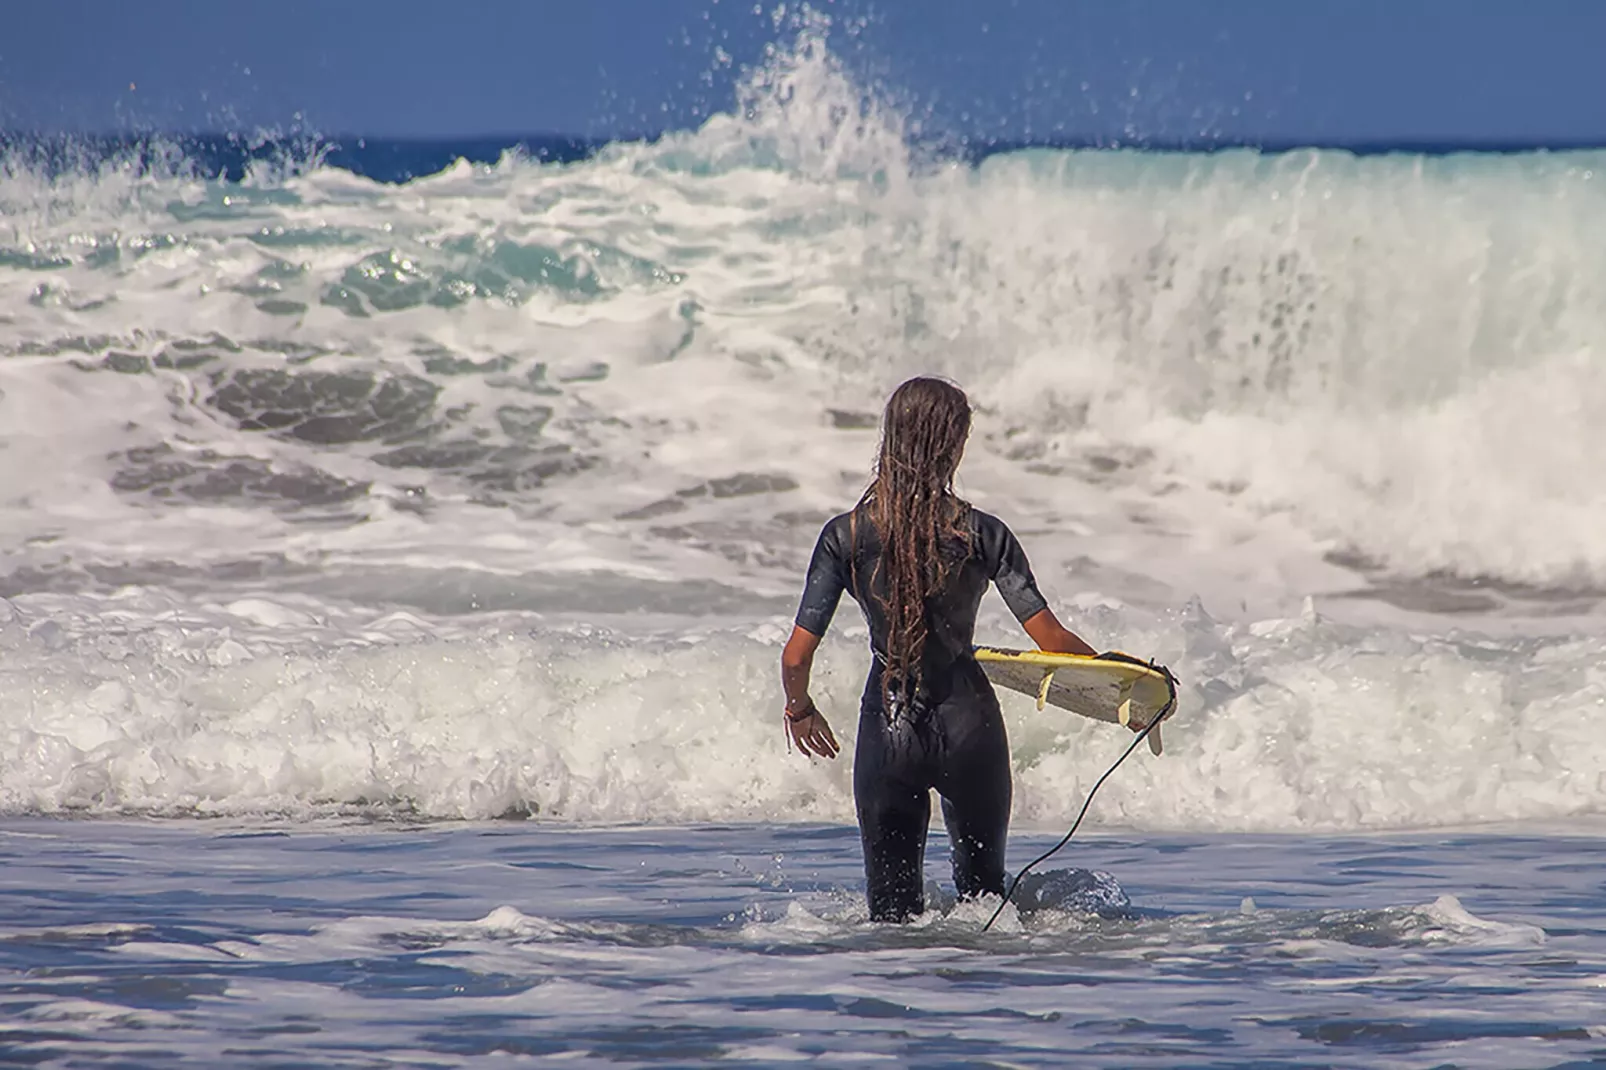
(918, 558)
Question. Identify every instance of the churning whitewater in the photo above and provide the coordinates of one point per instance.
(488, 493)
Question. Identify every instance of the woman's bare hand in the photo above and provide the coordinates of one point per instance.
(811, 733)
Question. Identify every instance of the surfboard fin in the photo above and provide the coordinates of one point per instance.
(1042, 689)
(1123, 712)
(1155, 746)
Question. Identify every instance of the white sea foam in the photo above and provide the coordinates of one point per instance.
(1284, 725)
(1392, 357)
(318, 493)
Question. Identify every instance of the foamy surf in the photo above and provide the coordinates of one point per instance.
(488, 493)
(1251, 377)
(258, 708)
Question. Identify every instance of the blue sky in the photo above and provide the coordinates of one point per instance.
(1314, 71)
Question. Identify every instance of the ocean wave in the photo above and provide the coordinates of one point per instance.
(270, 707)
(486, 493)
(1397, 354)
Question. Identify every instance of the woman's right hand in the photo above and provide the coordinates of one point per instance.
(809, 730)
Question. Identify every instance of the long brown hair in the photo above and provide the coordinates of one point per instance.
(911, 502)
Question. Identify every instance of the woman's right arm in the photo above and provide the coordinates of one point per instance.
(822, 590)
(805, 725)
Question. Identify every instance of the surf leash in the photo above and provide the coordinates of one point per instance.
(1167, 710)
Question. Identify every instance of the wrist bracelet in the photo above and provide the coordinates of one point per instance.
(801, 715)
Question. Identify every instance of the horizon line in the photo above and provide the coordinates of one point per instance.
(1417, 144)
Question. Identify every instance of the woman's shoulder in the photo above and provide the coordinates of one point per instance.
(984, 522)
(992, 537)
(838, 531)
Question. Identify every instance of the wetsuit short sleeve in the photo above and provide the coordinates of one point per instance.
(827, 579)
(1007, 565)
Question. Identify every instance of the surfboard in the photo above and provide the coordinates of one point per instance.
(1111, 687)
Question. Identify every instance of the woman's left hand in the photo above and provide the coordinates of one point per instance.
(811, 733)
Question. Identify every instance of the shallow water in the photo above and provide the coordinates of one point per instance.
(148, 943)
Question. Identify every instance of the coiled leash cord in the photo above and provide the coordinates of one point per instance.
(1165, 711)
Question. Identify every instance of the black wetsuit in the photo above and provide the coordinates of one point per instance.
(949, 736)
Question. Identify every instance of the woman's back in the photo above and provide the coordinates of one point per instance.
(848, 557)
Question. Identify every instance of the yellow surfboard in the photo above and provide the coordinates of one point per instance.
(1103, 688)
